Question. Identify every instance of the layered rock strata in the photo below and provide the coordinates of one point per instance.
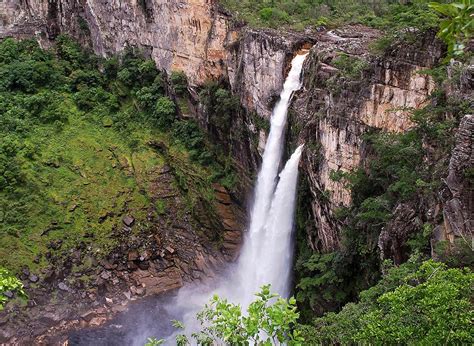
(332, 112)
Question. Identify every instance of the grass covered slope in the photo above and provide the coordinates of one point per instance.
(75, 153)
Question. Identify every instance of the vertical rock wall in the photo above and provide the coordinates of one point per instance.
(331, 114)
(197, 37)
(187, 35)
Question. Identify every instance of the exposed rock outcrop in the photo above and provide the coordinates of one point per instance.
(404, 223)
(187, 35)
(197, 37)
(331, 114)
(456, 230)
(257, 66)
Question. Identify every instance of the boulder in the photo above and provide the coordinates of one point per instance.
(128, 220)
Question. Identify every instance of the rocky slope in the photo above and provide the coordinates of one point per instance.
(78, 290)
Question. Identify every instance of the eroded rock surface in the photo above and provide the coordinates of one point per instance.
(331, 114)
(458, 206)
(186, 35)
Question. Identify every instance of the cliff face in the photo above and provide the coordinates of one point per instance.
(187, 35)
(193, 36)
(257, 66)
(331, 114)
(456, 229)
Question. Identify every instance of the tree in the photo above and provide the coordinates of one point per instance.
(427, 304)
(164, 112)
(270, 320)
(457, 27)
(179, 81)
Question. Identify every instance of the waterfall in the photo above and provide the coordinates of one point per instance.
(257, 242)
(266, 256)
(276, 253)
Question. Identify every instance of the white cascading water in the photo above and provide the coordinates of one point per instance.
(258, 262)
(276, 253)
(266, 256)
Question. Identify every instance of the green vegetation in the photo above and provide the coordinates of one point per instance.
(179, 82)
(220, 104)
(9, 283)
(350, 67)
(269, 320)
(393, 175)
(300, 14)
(75, 153)
(414, 303)
(458, 26)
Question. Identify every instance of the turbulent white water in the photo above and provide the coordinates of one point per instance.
(276, 249)
(266, 256)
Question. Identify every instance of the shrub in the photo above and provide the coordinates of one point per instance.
(89, 98)
(457, 27)
(81, 79)
(164, 113)
(111, 68)
(8, 282)
(350, 67)
(179, 82)
(269, 320)
(412, 304)
(220, 104)
(147, 71)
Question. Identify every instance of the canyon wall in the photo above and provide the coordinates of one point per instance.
(187, 35)
(197, 37)
(201, 39)
(332, 113)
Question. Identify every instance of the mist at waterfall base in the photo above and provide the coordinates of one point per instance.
(266, 255)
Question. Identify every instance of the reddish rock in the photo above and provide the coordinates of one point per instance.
(133, 255)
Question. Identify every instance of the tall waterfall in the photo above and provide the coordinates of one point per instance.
(267, 251)
(263, 256)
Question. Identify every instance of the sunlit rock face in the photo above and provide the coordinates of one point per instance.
(197, 37)
(187, 35)
(333, 118)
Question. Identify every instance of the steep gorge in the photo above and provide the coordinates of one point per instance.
(331, 115)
